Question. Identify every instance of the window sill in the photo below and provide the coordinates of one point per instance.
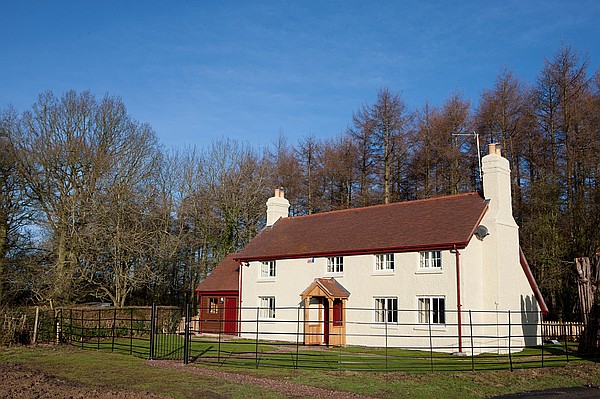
(429, 271)
(383, 273)
(334, 274)
(434, 327)
(266, 280)
(382, 326)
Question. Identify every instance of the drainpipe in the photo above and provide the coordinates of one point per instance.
(458, 304)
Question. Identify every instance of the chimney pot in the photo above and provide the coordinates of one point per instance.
(492, 148)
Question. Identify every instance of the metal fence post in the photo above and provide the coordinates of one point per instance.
(220, 333)
(256, 346)
(386, 345)
(131, 331)
(472, 346)
(99, 327)
(297, 336)
(566, 345)
(542, 336)
(186, 340)
(112, 345)
(71, 326)
(152, 331)
(509, 339)
(430, 341)
(82, 328)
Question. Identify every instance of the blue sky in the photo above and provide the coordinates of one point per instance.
(197, 71)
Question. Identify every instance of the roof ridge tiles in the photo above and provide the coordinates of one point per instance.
(336, 211)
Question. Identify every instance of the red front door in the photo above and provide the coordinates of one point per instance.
(230, 322)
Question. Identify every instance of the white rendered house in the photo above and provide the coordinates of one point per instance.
(395, 275)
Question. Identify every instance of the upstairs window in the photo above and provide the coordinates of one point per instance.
(384, 262)
(431, 260)
(267, 269)
(335, 264)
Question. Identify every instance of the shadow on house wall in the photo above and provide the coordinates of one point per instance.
(530, 320)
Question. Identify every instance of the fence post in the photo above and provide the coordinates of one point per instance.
(297, 336)
(430, 341)
(35, 324)
(56, 338)
(71, 326)
(256, 346)
(509, 339)
(112, 345)
(186, 339)
(99, 327)
(386, 344)
(152, 330)
(82, 328)
(542, 335)
(221, 327)
(472, 346)
(131, 331)
(60, 334)
(566, 345)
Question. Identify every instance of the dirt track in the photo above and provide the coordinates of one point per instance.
(19, 382)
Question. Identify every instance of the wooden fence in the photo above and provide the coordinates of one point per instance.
(560, 330)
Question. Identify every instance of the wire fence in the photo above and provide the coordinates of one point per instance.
(483, 340)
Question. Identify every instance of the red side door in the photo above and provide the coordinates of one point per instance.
(230, 322)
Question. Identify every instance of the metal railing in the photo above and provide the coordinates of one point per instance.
(487, 340)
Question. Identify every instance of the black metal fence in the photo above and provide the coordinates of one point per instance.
(487, 340)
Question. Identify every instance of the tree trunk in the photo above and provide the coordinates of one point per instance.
(588, 288)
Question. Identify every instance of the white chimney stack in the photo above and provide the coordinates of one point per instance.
(277, 207)
(496, 185)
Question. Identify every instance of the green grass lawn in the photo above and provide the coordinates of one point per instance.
(250, 354)
(96, 369)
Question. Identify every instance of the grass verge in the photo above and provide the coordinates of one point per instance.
(97, 369)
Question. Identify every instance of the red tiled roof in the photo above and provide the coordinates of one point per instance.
(400, 227)
(224, 277)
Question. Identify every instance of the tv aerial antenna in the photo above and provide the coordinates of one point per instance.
(476, 136)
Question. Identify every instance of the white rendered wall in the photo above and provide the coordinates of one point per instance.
(407, 282)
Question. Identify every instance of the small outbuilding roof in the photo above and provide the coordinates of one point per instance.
(224, 277)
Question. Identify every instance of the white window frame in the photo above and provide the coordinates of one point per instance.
(430, 311)
(430, 260)
(335, 265)
(268, 269)
(213, 305)
(386, 310)
(384, 263)
(266, 307)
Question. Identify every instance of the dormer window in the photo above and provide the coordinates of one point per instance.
(431, 260)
